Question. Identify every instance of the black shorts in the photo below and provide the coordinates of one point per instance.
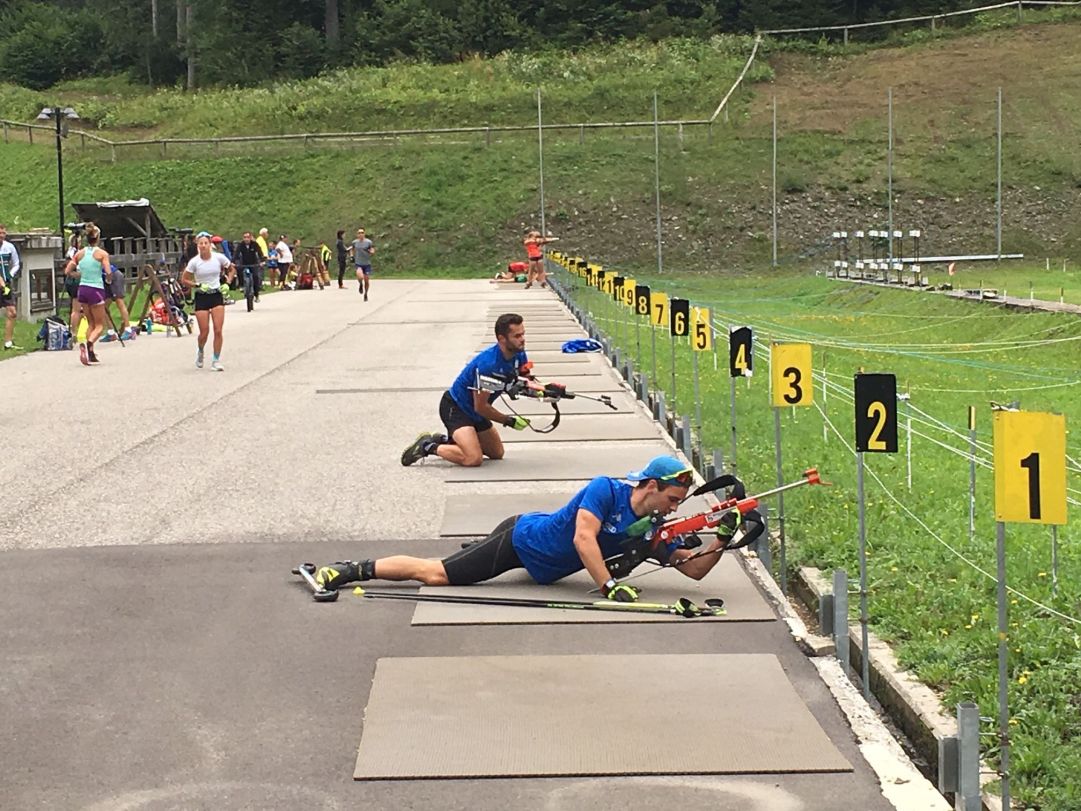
(9, 299)
(486, 559)
(454, 418)
(208, 301)
(117, 287)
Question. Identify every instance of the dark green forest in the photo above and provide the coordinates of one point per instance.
(247, 42)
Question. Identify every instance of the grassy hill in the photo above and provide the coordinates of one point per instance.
(457, 202)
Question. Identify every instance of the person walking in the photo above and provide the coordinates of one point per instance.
(9, 271)
(94, 269)
(204, 273)
(343, 255)
(115, 290)
(285, 260)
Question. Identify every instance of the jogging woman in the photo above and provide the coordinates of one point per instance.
(204, 274)
(92, 265)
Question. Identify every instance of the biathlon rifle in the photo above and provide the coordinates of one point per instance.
(650, 534)
(525, 385)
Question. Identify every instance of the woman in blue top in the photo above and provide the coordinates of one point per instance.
(585, 532)
(91, 265)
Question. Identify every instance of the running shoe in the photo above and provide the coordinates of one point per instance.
(84, 356)
(216, 366)
(415, 452)
(93, 356)
(199, 359)
(336, 575)
(365, 296)
(10, 345)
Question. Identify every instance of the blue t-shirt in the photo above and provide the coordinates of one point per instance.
(545, 541)
(489, 361)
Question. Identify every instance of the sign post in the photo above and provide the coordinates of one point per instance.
(701, 341)
(876, 432)
(790, 385)
(1030, 488)
(740, 364)
(678, 327)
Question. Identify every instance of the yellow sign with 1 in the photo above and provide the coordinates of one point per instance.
(1030, 467)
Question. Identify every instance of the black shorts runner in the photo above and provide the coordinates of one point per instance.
(454, 418)
(485, 559)
(208, 301)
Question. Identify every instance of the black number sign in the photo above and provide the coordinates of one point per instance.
(741, 352)
(876, 413)
(679, 322)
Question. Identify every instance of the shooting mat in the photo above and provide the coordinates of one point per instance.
(474, 514)
(728, 581)
(544, 463)
(584, 428)
(561, 357)
(526, 716)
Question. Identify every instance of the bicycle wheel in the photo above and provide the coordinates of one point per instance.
(249, 290)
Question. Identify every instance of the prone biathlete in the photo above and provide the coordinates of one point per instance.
(204, 273)
(92, 266)
(582, 534)
(466, 408)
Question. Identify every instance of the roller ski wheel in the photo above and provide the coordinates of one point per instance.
(319, 594)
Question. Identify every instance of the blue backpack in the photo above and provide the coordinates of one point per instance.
(582, 345)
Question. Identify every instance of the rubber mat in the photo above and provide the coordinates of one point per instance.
(561, 357)
(526, 716)
(728, 581)
(585, 428)
(470, 515)
(543, 463)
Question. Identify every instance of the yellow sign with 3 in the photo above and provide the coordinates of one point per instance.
(790, 375)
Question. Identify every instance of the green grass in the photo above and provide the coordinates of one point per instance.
(937, 611)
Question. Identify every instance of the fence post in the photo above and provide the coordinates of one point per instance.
(685, 438)
(968, 777)
(5, 132)
(30, 133)
(840, 617)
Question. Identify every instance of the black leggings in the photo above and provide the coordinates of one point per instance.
(486, 559)
(341, 272)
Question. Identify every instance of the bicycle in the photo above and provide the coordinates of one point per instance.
(251, 279)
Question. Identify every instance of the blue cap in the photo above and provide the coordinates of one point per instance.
(660, 467)
(202, 234)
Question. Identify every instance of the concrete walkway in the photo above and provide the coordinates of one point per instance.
(157, 652)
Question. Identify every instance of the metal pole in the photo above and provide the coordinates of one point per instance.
(889, 172)
(968, 768)
(732, 394)
(653, 334)
(866, 657)
(59, 171)
(780, 500)
(657, 180)
(972, 471)
(540, 161)
(998, 202)
(673, 372)
(1054, 559)
(908, 440)
(840, 617)
(697, 397)
(775, 181)
(1003, 667)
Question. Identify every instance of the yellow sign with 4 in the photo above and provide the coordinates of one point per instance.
(1030, 467)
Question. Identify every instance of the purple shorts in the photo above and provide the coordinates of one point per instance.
(91, 295)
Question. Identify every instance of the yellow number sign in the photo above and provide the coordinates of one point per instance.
(658, 309)
(628, 291)
(790, 375)
(701, 329)
(1030, 467)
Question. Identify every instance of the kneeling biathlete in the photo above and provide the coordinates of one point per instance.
(589, 530)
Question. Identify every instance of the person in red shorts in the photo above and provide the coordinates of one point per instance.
(534, 248)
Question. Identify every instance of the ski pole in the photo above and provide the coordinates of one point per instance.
(682, 607)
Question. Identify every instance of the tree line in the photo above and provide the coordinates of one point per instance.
(248, 42)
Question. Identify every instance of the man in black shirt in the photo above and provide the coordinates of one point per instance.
(249, 258)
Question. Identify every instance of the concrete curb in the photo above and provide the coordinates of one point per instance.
(913, 706)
